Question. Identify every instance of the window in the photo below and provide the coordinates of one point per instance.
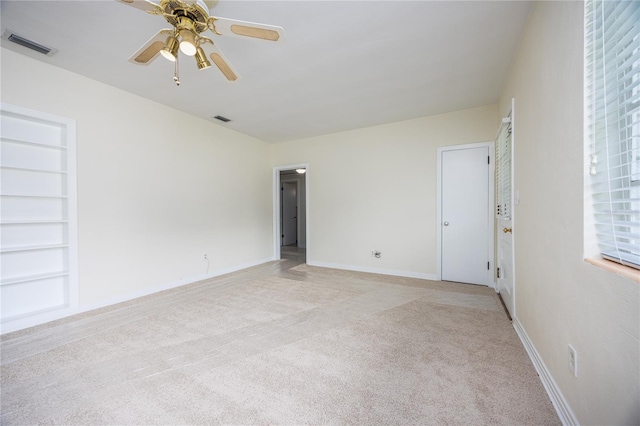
(612, 47)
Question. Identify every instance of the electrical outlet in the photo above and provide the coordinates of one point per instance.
(573, 361)
(205, 257)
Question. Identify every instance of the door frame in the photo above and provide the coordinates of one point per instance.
(277, 232)
(491, 229)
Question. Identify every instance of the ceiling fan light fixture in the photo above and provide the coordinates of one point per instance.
(189, 20)
(201, 59)
(187, 42)
(170, 50)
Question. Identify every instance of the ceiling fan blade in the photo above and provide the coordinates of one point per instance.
(144, 5)
(149, 51)
(235, 28)
(220, 61)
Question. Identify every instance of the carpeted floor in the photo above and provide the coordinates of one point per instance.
(281, 343)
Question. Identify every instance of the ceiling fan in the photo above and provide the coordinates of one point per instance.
(190, 19)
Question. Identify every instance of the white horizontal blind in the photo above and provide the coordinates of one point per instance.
(613, 113)
(503, 170)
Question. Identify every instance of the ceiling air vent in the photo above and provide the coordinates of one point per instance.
(221, 118)
(29, 44)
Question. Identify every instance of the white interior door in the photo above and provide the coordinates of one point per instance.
(289, 213)
(466, 231)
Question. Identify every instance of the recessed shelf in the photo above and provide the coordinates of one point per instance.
(37, 144)
(29, 169)
(34, 222)
(36, 277)
(36, 312)
(32, 196)
(33, 248)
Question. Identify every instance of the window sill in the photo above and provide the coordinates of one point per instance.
(616, 268)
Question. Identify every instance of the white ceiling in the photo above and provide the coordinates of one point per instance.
(343, 65)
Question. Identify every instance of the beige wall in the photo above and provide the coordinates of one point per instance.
(375, 189)
(561, 300)
(152, 196)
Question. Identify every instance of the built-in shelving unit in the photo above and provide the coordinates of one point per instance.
(37, 223)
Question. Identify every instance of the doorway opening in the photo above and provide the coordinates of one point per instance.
(290, 212)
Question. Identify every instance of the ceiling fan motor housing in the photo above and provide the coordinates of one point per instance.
(183, 15)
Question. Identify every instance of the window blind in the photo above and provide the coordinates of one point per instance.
(503, 170)
(612, 48)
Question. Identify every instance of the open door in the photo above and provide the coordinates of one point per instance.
(504, 214)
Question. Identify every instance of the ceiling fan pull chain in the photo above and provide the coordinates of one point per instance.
(176, 73)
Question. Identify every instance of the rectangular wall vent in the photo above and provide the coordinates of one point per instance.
(29, 44)
(221, 118)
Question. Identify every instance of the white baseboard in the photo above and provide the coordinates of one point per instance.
(562, 407)
(22, 323)
(394, 272)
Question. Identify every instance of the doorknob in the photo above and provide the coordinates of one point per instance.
(446, 224)
(507, 230)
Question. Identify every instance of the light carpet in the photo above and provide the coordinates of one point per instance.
(280, 343)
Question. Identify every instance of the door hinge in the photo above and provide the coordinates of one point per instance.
(488, 266)
(489, 159)
(498, 272)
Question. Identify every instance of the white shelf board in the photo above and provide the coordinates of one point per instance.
(33, 248)
(36, 277)
(31, 169)
(32, 196)
(37, 144)
(34, 222)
